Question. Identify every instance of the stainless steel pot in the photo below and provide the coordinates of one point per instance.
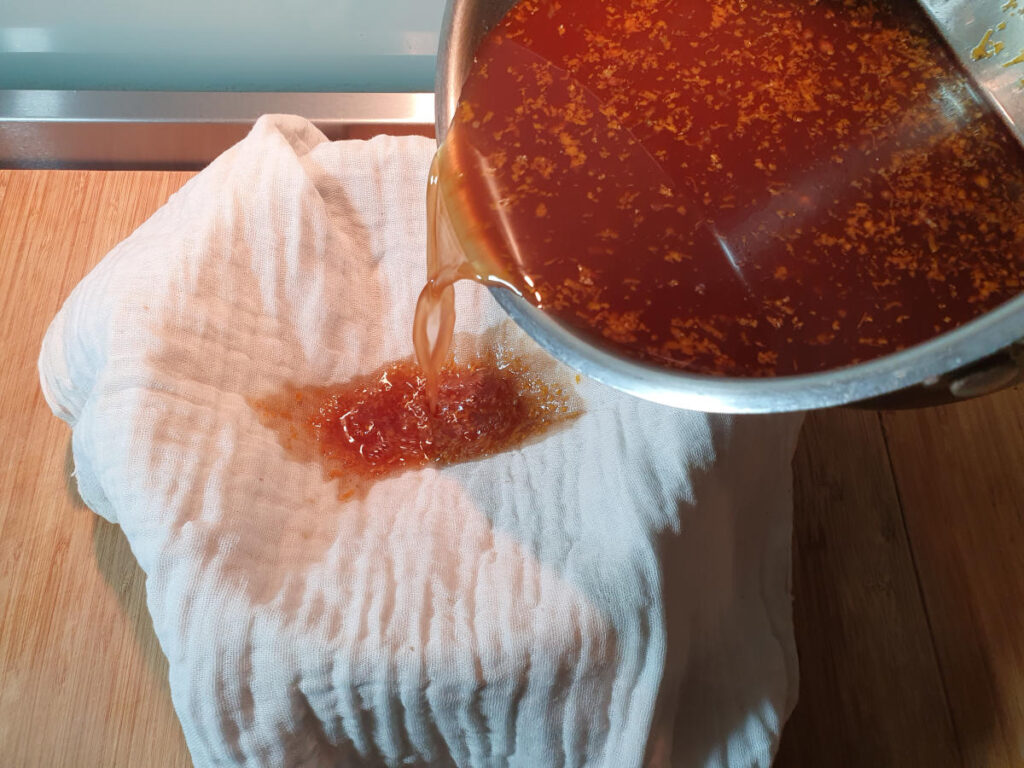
(975, 359)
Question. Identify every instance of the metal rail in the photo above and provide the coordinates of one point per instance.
(180, 130)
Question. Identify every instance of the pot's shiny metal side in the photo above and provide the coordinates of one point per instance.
(976, 358)
(987, 37)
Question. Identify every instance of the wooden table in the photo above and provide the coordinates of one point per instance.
(909, 566)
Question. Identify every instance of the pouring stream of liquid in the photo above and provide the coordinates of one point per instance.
(434, 322)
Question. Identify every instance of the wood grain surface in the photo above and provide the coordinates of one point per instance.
(82, 680)
(908, 573)
(961, 478)
(870, 679)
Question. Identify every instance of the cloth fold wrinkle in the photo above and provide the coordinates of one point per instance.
(577, 601)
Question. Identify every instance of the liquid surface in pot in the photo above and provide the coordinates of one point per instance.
(730, 188)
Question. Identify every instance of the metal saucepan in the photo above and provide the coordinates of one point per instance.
(979, 357)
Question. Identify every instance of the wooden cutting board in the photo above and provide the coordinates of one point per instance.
(909, 533)
(82, 680)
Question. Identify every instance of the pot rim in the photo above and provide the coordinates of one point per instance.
(465, 24)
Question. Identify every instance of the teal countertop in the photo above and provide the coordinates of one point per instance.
(216, 45)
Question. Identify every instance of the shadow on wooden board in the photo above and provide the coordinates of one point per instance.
(871, 692)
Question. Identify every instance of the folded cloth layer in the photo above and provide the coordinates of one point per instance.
(614, 594)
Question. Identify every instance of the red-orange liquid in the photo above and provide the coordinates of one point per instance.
(382, 424)
(731, 187)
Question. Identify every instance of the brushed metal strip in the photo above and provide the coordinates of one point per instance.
(181, 130)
